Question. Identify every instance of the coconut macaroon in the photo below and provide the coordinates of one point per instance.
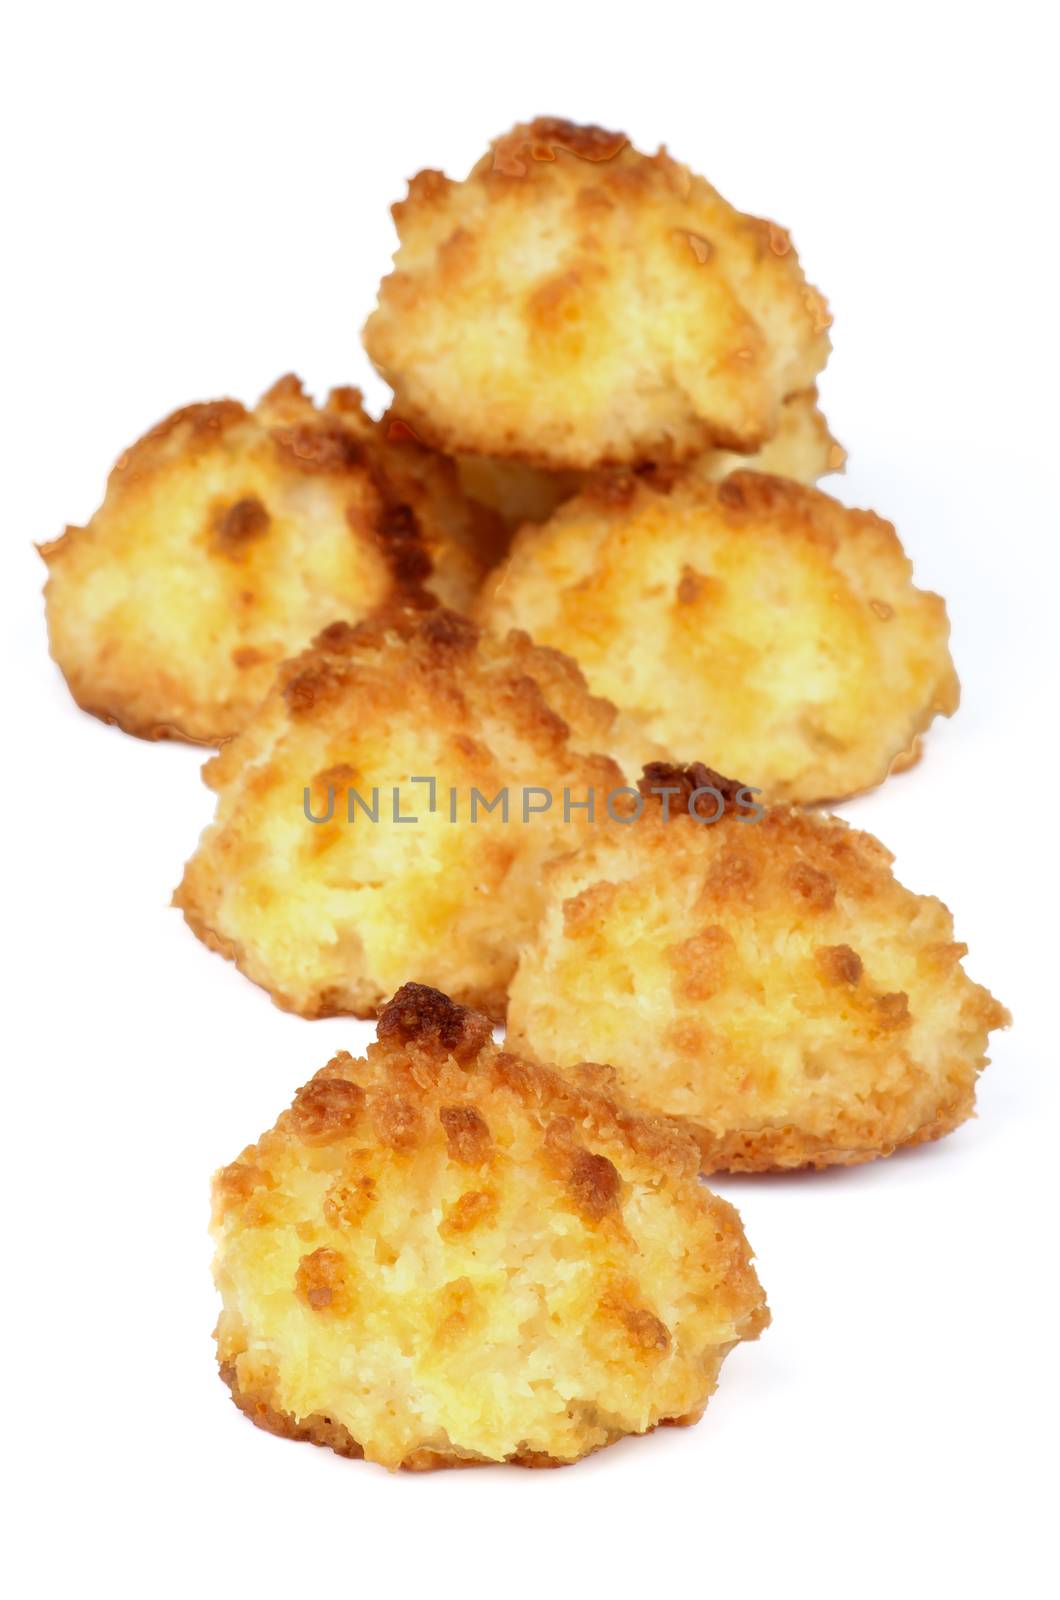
(575, 302)
(228, 537)
(767, 981)
(442, 1255)
(387, 812)
(755, 622)
(802, 448)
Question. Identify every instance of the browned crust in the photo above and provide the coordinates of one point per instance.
(433, 432)
(322, 1431)
(238, 525)
(338, 440)
(204, 423)
(666, 775)
(745, 494)
(539, 141)
(411, 459)
(789, 1149)
(149, 730)
(418, 1014)
(321, 671)
(328, 448)
(327, 1108)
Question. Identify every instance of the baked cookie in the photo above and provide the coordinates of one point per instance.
(442, 1255)
(228, 538)
(315, 878)
(753, 623)
(574, 302)
(768, 981)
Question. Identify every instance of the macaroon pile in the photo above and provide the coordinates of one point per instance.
(525, 695)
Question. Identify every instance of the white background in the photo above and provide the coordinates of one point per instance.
(195, 202)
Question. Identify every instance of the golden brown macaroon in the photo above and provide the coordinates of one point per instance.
(404, 716)
(754, 622)
(574, 302)
(228, 537)
(802, 448)
(768, 982)
(442, 1256)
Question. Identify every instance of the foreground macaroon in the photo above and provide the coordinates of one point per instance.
(769, 982)
(574, 302)
(442, 1255)
(314, 878)
(754, 622)
(802, 448)
(228, 538)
